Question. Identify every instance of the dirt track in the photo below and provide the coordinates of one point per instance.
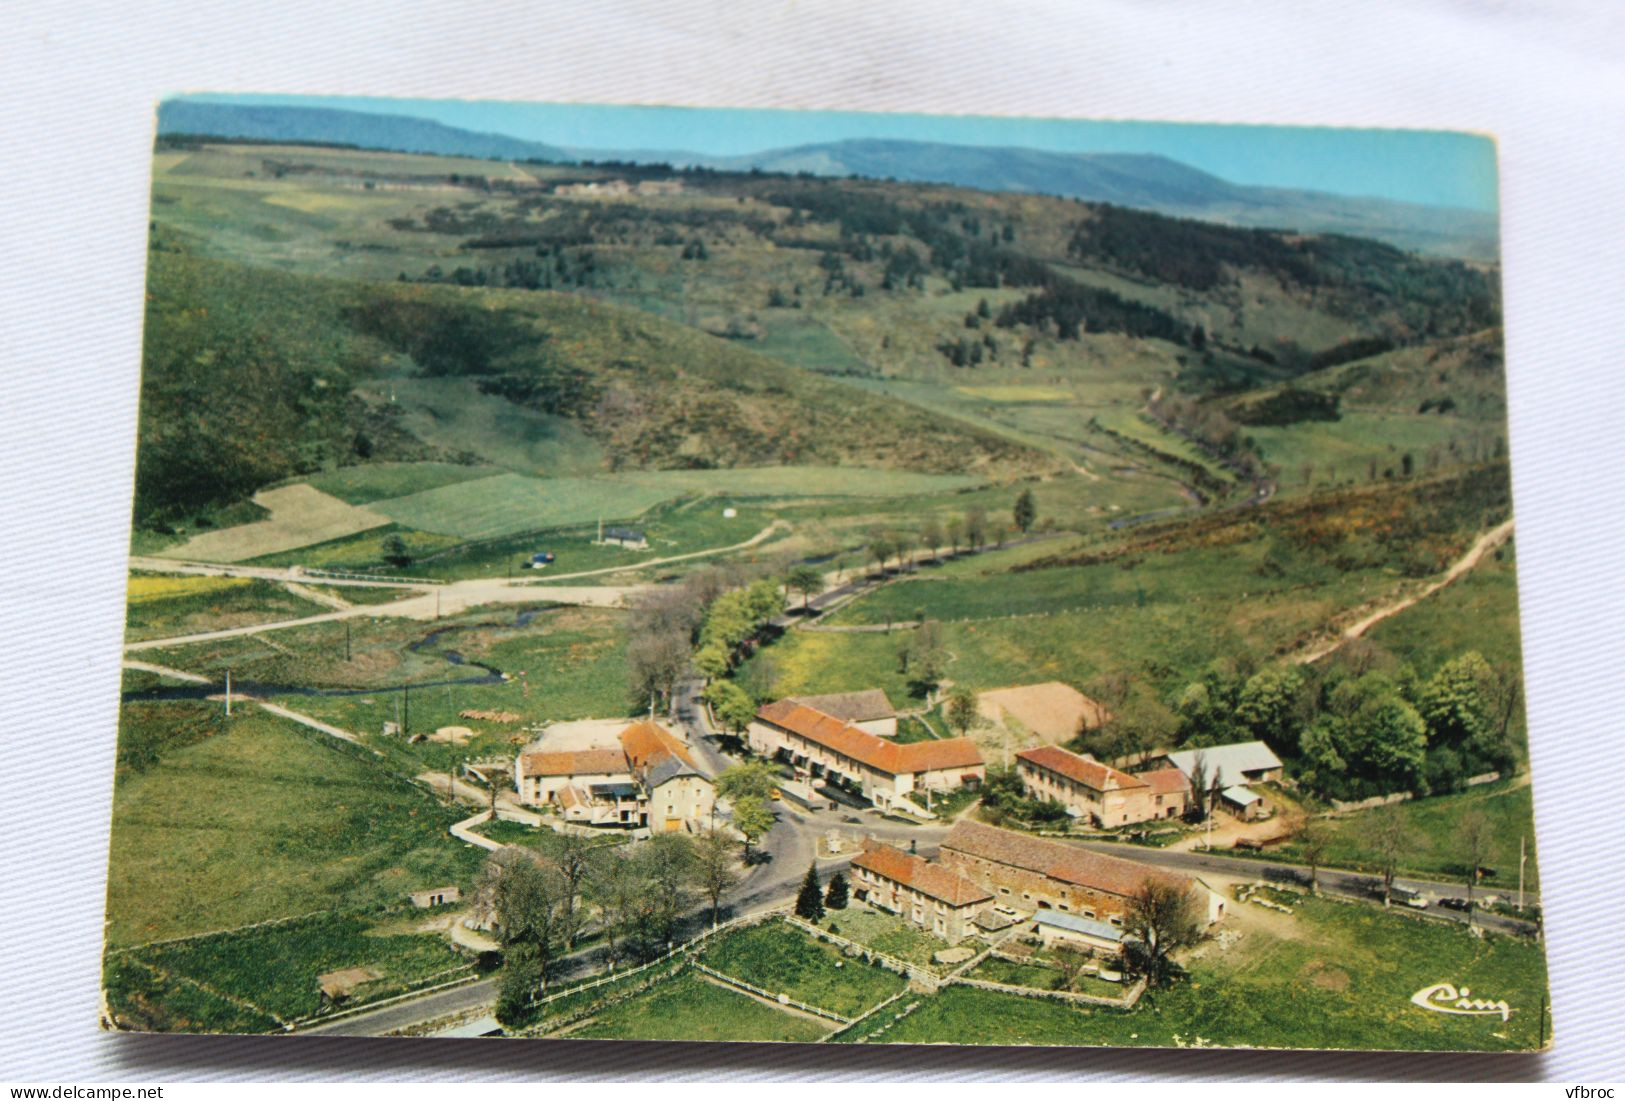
(1482, 546)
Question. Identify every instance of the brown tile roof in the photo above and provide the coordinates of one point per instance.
(865, 748)
(1167, 781)
(580, 762)
(1055, 859)
(648, 743)
(917, 873)
(1091, 774)
(854, 707)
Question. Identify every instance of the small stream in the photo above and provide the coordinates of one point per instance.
(489, 674)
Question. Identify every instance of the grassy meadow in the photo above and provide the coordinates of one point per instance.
(267, 820)
(1333, 975)
(692, 1008)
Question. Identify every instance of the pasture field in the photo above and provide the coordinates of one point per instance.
(691, 1008)
(777, 957)
(1336, 975)
(1322, 453)
(263, 821)
(362, 485)
(365, 552)
(1434, 848)
(275, 967)
(164, 607)
(1134, 427)
(150, 1000)
(300, 515)
(1168, 641)
(802, 342)
(506, 504)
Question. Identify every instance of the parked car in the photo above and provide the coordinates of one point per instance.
(1453, 903)
(1287, 875)
(1409, 897)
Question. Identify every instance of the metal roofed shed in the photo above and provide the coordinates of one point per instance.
(1230, 765)
(1055, 926)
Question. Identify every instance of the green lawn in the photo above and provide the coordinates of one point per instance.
(690, 1008)
(776, 957)
(362, 485)
(884, 933)
(1343, 979)
(275, 967)
(263, 821)
(149, 1000)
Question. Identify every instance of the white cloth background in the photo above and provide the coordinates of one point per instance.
(79, 87)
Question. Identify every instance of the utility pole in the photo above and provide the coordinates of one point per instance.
(347, 641)
(437, 603)
(406, 708)
(228, 693)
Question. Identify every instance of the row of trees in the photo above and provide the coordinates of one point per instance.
(635, 895)
(1364, 724)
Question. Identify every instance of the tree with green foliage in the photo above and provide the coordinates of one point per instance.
(714, 869)
(928, 658)
(731, 704)
(835, 898)
(753, 819)
(976, 527)
(806, 580)
(520, 980)
(954, 531)
(1455, 703)
(1163, 917)
(931, 536)
(531, 902)
(748, 779)
(1269, 705)
(1391, 840)
(396, 552)
(664, 865)
(1025, 511)
(961, 710)
(810, 902)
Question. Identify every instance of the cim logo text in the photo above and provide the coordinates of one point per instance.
(1443, 997)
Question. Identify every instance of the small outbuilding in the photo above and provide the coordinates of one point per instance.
(630, 538)
(436, 896)
(1055, 927)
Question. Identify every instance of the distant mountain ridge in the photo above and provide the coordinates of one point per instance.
(1141, 180)
(363, 129)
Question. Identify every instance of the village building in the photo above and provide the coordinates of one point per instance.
(1231, 768)
(680, 796)
(1091, 790)
(928, 895)
(1035, 874)
(629, 538)
(1170, 791)
(884, 772)
(648, 778)
(1097, 937)
(869, 711)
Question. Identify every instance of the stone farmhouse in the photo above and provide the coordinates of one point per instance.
(1036, 874)
(869, 711)
(926, 894)
(648, 778)
(887, 774)
(1232, 767)
(1098, 792)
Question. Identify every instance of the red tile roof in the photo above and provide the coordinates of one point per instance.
(865, 748)
(1054, 859)
(648, 743)
(1167, 781)
(919, 874)
(581, 762)
(1091, 774)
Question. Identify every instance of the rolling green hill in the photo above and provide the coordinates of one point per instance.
(253, 376)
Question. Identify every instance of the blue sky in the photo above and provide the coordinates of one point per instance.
(1422, 166)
